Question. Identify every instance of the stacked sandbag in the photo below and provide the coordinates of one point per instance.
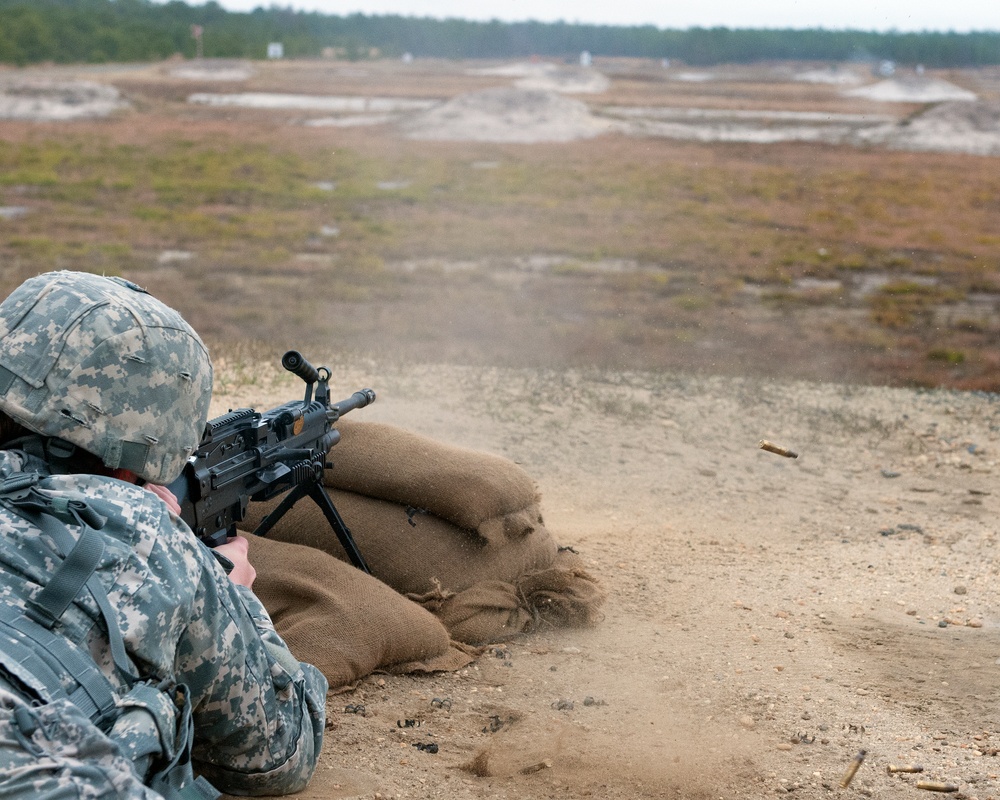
(346, 623)
(456, 530)
(477, 491)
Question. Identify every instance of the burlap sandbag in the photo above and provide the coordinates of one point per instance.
(473, 490)
(457, 530)
(346, 623)
(482, 591)
(493, 611)
(412, 552)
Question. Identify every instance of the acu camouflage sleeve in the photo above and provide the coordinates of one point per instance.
(258, 713)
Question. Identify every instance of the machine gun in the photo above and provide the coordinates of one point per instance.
(246, 455)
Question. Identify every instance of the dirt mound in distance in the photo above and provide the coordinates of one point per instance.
(912, 90)
(984, 116)
(959, 127)
(955, 127)
(508, 115)
(41, 100)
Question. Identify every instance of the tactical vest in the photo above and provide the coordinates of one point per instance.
(51, 667)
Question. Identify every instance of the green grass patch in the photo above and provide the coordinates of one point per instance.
(902, 304)
(946, 355)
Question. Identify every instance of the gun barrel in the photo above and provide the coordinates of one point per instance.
(359, 399)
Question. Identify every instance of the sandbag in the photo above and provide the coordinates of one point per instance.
(457, 531)
(476, 491)
(494, 611)
(345, 622)
(412, 552)
(482, 592)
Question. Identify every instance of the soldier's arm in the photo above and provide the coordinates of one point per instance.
(258, 712)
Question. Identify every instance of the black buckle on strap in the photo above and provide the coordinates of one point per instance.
(18, 486)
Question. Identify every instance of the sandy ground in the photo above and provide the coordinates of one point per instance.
(768, 619)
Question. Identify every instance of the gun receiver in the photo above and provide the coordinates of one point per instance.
(247, 456)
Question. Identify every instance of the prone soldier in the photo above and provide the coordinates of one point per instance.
(131, 663)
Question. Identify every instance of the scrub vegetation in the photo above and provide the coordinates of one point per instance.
(788, 259)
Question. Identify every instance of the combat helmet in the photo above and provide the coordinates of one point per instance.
(100, 363)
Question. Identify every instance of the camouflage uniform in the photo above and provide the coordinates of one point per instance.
(203, 663)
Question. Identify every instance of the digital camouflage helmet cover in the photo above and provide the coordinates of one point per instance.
(102, 364)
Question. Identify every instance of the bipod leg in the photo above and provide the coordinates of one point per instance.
(286, 503)
(316, 491)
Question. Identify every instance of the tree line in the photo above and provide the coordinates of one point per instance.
(97, 31)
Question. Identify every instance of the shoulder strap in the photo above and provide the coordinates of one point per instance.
(76, 569)
(46, 662)
(47, 607)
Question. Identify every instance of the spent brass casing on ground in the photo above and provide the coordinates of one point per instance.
(936, 786)
(904, 768)
(852, 769)
(764, 444)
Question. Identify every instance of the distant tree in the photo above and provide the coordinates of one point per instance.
(32, 31)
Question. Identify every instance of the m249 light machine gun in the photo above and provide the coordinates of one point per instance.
(249, 456)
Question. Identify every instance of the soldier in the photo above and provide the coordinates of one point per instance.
(129, 661)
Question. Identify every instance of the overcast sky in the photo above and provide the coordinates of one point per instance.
(881, 15)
